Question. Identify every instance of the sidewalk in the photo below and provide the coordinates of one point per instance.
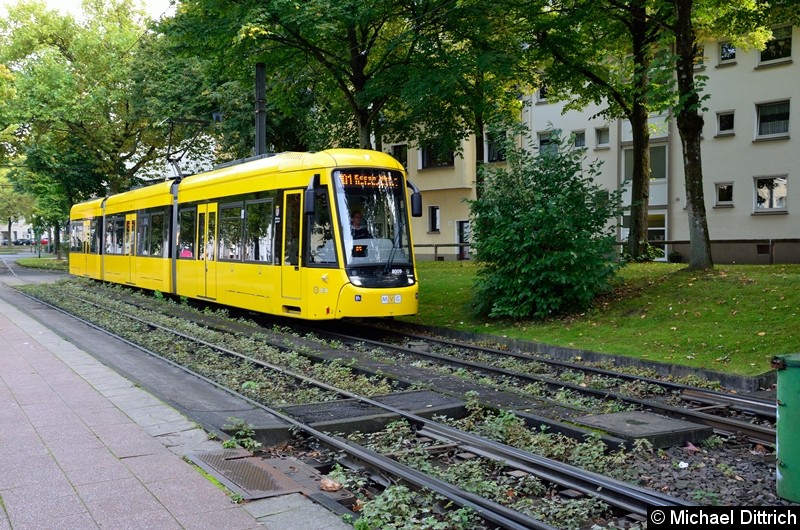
(82, 447)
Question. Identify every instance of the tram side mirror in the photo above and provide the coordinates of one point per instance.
(309, 208)
(416, 204)
(416, 200)
(310, 201)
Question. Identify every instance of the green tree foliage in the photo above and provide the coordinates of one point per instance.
(7, 125)
(348, 54)
(352, 73)
(542, 235)
(472, 75)
(185, 72)
(74, 94)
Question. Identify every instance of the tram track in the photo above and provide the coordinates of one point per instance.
(626, 498)
(746, 404)
(711, 400)
(721, 411)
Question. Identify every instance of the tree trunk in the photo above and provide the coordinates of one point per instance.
(690, 127)
(55, 240)
(640, 183)
(364, 129)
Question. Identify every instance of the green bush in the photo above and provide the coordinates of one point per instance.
(675, 257)
(542, 236)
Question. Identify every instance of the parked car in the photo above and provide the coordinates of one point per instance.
(23, 242)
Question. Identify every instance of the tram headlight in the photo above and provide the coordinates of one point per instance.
(355, 277)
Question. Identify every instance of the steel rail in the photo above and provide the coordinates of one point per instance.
(756, 406)
(759, 406)
(612, 491)
(756, 433)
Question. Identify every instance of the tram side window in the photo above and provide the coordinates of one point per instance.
(230, 232)
(259, 231)
(151, 238)
(321, 241)
(158, 235)
(186, 231)
(115, 235)
(143, 237)
(76, 241)
(95, 236)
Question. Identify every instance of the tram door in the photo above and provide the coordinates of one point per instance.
(290, 265)
(80, 240)
(206, 248)
(129, 248)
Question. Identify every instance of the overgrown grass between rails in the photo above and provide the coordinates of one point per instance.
(734, 318)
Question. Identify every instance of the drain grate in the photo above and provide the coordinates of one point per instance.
(255, 478)
(245, 474)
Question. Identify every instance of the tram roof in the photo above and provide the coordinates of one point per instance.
(283, 163)
(289, 163)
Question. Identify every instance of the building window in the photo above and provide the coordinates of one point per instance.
(548, 143)
(541, 93)
(656, 231)
(400, 153)
(725, 123)
(495, 148)
(724, 194)
(579, 139)
(434, 156)
(773, 119)
(770, 193)
(602, 137)
(433, 219)
(658, 162)
(779, 46)
(727, 53)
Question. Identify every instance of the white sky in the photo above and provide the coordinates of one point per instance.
(154, 7)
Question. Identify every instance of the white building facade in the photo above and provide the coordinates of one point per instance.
(751, 162)
(20, 230)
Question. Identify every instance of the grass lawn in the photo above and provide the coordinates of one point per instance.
(734, 318)
(47, 261)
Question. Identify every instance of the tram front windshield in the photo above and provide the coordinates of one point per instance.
(373, 214)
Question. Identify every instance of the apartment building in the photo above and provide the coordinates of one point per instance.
(751, 163)
(20, 230)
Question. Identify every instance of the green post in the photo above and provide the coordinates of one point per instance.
(787, 429)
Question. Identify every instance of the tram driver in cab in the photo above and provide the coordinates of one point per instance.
(357, 229)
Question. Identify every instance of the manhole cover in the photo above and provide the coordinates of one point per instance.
(245, 474)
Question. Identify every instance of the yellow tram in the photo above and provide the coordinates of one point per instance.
(271, 234)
